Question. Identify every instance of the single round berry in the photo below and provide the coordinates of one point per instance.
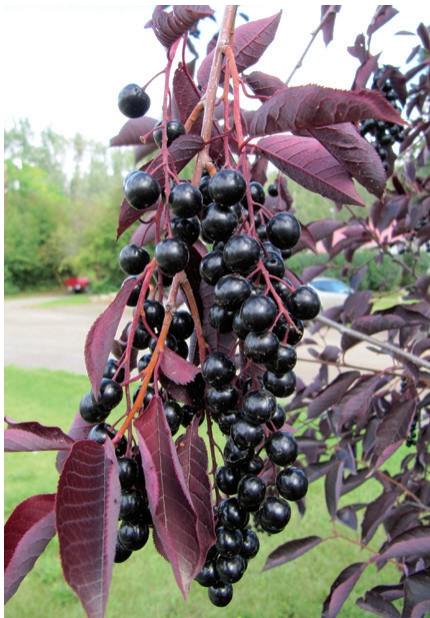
(222, 399)
(141, 337)
(221, 319)
(154, 314)
(281, 385)
(230, 291)
(229, 542)
(134, 294)
(283, 230)
(274, 264)
(187, 230)
(133, 536)
(218, 222)
(292, 332)
(251, 492)
(132, 503)
(141, 190)
(258, 194)
(292, 484)
(225, 420)
(227, 480)
(250, 545)
(241, 254)
(230, 570)
(109, 396)
(304, 303)
(171, 255)
(170, 342)
(278, 419)
(99, 433)
(208, 575)
(133, 259)
(231, 515)
(281, 448)
(220, 594)
(259, 406)
(272, 190)
(246, 435)
(253, 466)
(121, 553)
(133, 102)
(173, 412)
(91, 412)
(174, 128)
(227, 187)
(258, 313)
(285, 360)
(185, 200)
(274, 514)
(188, 413)
(218, 369)
(212, 267)
(261, 347)
(112, 369)
(128, 470)
(182, 324)
(239, 327)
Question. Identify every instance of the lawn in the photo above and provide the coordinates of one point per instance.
(145, 583)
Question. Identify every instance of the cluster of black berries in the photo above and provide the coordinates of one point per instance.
(411, 440)
(383, 134)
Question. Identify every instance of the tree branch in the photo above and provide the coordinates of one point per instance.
(383, 345)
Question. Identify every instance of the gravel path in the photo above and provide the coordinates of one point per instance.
(54, 337)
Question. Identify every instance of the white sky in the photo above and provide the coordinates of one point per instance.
(65, 64)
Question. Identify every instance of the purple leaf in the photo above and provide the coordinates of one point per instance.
(358, 399)
(332, 393)
(87, 512)
(176, 369)
(329, 22)
(348, 514)
(392, 431)
(310, 272)
(173, 513)
(250, 42)
(309, 164)
(133, 130)
(357, 305)
(355, 154)
(263, 85)
(169, 27)
(312, 106)
(376, 604)
(341, 589)
(414, 542)
(417, 597)
(290, 551)
(376, 512)
(193, 459)
(333, 486)
(320, 230)
(376, 323)
(32, 436)
(383, 14)
(101, 335)
(27, 532)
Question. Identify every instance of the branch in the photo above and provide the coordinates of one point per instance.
(383, 345)
(327, 14)
(227, 25)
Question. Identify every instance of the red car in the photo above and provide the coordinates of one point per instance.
(76, 284)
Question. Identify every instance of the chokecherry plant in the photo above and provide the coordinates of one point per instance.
(217, 318)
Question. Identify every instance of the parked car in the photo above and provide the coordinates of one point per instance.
(77, 284)
(332, 292)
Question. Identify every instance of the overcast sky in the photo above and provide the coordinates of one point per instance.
(64, 65)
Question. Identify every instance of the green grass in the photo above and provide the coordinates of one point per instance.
(145, 583)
